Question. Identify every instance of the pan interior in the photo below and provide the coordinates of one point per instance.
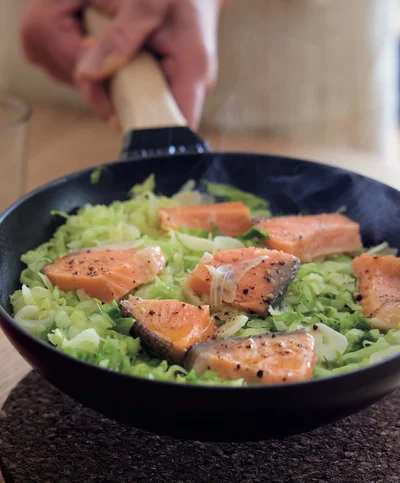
(291, 186)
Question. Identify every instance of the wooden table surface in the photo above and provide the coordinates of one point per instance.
(63, 140)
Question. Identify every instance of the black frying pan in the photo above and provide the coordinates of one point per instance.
(175, 155)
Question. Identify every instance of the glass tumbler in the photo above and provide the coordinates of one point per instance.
(14, 117)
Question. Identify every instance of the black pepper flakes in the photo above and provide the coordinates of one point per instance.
(200, 307)
(76, 273)
(151, 312)
(238, 367)
(315, 327)
(246, 291)
(260, 373)
(359, 297)
(183, 305)
(248, 346)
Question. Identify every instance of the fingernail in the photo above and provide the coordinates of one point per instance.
(93, 66)
(89, 63)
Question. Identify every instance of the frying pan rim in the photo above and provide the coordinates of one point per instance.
(347, 376)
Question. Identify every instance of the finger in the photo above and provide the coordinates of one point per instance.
(96, 96)
(96, 93)
(55, 47)
(51, 36)
(135, 21)
(188, 47)
(188, 91)
(67, 46)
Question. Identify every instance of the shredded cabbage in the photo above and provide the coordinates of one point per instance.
(258, 206)
(321, 296)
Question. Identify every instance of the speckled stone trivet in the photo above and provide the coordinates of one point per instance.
(47, 437)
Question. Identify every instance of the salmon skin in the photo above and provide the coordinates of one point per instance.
(249, 279)
(104, 273)
(379, 289)
(232, 219)
(264, 359)
(313, 236)
(168, 328)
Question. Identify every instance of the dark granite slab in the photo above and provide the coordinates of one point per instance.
(47, 437)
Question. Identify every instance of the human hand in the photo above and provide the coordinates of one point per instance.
(183, 33)
(52, 36)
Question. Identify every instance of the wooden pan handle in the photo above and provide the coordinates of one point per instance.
(139, 91)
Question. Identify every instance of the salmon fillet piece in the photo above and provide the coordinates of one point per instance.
(249, 279)
(232, 219)
(169, 328)
(313, 236)
(379, 289)
(106, 274)
(264, 359)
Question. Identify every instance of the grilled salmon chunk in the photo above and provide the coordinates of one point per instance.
(168, 328)
(263, 359)
(104, 273)
(313, 236)
(232, 218)
(249, 279)
(379, 289)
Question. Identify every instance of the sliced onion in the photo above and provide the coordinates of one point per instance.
(384, 354)
(328, 342)
(226, 243)
(195, 243)
(377, 248)
(231, 326)
(188, 198)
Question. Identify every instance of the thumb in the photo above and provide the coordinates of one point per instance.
(125, 36)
